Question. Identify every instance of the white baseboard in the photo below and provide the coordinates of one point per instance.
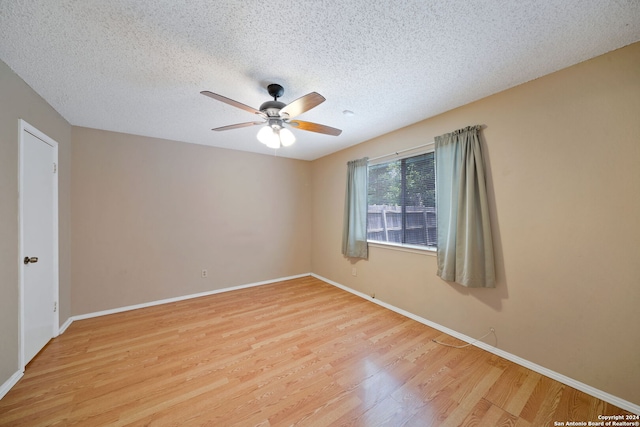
(8, 384)
(614, 400)
(176, 299)
(65, 325)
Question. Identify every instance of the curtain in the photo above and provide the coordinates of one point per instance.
(465, 246)
(354, 235)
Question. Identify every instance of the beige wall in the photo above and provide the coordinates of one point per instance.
(563, 154)
(19, 101)
(150, 214)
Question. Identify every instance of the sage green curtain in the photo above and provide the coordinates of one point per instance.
(465, 246)
(354, 235)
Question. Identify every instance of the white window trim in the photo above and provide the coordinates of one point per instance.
(405, 155)
(415, 249)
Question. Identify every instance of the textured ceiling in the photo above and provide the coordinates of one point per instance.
(137, 66)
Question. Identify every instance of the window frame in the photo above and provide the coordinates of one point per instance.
(404, 247)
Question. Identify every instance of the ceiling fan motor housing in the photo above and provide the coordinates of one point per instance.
(272, 108)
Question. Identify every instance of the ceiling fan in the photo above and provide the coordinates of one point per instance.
(276, 115)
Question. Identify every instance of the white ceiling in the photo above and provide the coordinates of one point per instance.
(137, 66)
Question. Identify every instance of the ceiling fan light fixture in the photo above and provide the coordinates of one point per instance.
(274, 135)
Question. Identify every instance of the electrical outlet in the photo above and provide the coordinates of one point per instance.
(354, 272)
(492, 329)
(204, 273)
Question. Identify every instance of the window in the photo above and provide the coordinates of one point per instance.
(402, 201)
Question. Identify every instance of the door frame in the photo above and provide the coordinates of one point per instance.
(26, 127)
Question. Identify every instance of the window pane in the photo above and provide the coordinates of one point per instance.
(384, 184)
(402, 201)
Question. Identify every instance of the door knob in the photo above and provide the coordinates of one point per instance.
(27, 260)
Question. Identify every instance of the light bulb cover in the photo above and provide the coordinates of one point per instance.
(266, 135)
(274, 143)
(287, 137)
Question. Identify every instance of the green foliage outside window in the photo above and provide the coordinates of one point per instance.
(386, 182)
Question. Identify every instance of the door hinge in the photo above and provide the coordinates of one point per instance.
(55, 306)
(55, 168)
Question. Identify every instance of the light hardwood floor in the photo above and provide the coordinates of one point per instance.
(299, 352)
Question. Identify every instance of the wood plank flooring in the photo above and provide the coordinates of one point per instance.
(299, 352)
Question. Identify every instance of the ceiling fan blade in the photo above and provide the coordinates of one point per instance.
(238, 125)
(315, 127)
(231, 102)
(302, 104)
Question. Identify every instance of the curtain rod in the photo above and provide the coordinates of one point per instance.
(396, 153)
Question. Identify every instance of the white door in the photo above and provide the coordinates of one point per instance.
(38, 215)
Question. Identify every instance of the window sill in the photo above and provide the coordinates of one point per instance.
(403, 248)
